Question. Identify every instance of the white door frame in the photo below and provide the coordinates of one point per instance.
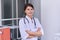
(0, 12)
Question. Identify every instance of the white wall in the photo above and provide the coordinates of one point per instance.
(50, 18)
(0, 12)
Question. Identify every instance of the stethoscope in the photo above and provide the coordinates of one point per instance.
(28, 21)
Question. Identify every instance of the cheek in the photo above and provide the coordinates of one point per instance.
(32, 11)
(26, 12)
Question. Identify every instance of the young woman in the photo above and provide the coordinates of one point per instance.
(30, 27)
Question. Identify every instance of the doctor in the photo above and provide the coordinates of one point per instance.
(29, 26)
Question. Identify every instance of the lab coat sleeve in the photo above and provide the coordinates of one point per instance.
(39, 25)
(22, 29)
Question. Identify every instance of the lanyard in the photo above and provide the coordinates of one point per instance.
(28, 21)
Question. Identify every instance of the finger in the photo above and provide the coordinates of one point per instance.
(39, 29)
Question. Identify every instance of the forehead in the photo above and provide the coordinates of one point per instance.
(29, 7)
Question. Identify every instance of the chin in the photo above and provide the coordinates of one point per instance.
(30, 15)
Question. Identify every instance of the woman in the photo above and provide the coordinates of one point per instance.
(30, 27)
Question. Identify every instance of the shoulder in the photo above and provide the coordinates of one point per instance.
(35, 18)
(21, 19)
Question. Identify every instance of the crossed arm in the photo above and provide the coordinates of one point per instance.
(34, 34)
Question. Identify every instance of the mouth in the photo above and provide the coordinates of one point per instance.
(30, 13)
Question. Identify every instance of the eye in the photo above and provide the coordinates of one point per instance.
(31, 9)
(27, 9)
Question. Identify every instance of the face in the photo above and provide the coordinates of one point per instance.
(29, 11)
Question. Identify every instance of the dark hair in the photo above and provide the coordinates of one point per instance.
(26, 5)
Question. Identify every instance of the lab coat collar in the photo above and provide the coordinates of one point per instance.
(29, 18)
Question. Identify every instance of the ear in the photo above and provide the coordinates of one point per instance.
(25, 11)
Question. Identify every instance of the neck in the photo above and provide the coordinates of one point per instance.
(30, 16)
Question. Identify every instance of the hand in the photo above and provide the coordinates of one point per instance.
(37, 33)
(30, 33)
(38, 29)
(30, 37)
(27, 31)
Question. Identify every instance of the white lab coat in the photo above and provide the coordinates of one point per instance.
(29, 26)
